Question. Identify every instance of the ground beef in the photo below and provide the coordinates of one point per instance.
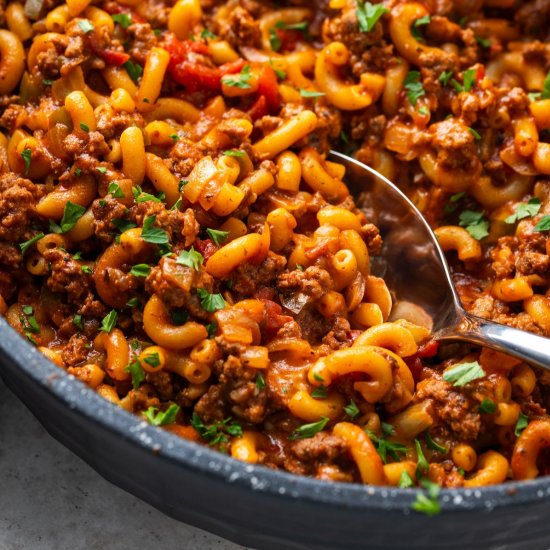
(312, 283)
(338, 337)
(142, 38)
(240, 29)
(248, 278)
(162, 382)
(453, 408)
(18, 197)
(185, 154)
(176, 285)
(76, 350)
(455, 146)
(106, 211)
(533, 16)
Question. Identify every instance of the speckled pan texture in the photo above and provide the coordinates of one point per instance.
(253, 505)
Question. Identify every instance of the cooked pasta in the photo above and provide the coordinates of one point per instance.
(173, 234)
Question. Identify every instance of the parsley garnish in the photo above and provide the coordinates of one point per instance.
(468, 79)
(84, 127)
(543, 224)
(233, 153)
(474, 133)
(109, 321)
(484, 42)
(414, 87)
(275, 41)
(101, 169)
(86, 26)
(546, 87)
(123, 225)
(474, 223)
(71, 214)
(387, 448)
(464, 373)
(216, 433)
(429, 504)
(123, 19)
(241, 80)
(77, 172)
(445, 76)
(415, 31)
(424, 110)
(115, 190)
(133, 302)
(521, 424)
(134, 71)
(210, 302)
(211, 329)
(47, 82)
(205, 33)
(29, 324)
(152, 359)
(487, 406)
(153, 235)
(27, 244)
(162, 418)
(77, 322)
(218, 237)
(140, 270)
(190, 258)
(137, 372)
(405, 480)
(260, 381)
(524, 210)
(352, 410)
(309, 430)
(308, 93)
(368, 15)
(281, 75)
(26, 155)
(422, 465)
(86, 269)
(319, 393)
(140, 196)
(434, 445)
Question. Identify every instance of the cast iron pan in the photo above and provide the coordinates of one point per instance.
(253, 505)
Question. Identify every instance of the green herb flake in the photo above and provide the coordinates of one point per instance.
(153, 235)
(211, 329)
(210, 302)
(445, 76)
(47, 82)
(162, 418)
(218, 237)
(309, 93)
(474, 133)
(86, 269)
(434, 445)
(414, 87)
(483, 42)
(233, 153)
(422, 465)
(525, 210)
(352, 410)
(205, 33)
(133, 302)
(405, 480)
(136, 371)
(218, 432)
(424, 111)
(141, 196)
(26, 155)
(464, 373)
(77, 322)
(475, 224)
(101, 169)
(318, 377)
(387, 448)
(368, 15)
(546, 87)
(123, 225)
(260, 381)
(86, 26)
(71, 214)
(319, 393)
(140, 270)
(240, 80)
(123, 19)
(115, 190)
(190, 258)
(415, 29)
(84, 127)
(543, 224)
(468, 79)
(152, 359)
(109, 321)
(134, 71)
(24, 246)
(274, 40)
(427, 504)
(521, 424)
(307, 431)
(487, 406)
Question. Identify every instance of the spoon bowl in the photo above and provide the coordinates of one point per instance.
(416, 271)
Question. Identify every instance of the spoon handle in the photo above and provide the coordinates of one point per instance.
(519, 343)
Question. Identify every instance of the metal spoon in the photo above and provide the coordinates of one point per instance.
(415, 269)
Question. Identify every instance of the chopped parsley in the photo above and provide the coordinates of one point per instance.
(123, 225)
(26, 155)
(319, 393)
(29, 323)
(71, 214)
(414, 87)
(109, 321)
(210, 302)
(84, 127)
(309, 430)
(427, 504)
(140, 270)
(368, 15)
(151, 234)
(240, 80)
(387, 448)
(422, 465)
(474, 133)
(545, 94)
(86, 26)
(233, 153)
(483, 42)
(543, 224)
(521, 424)
(464, 373)
(309, 93)
(274, 39)
(86, 269)
(115, 190)
(405, 480)
(137, 373)
(77, 322)
(434, 445)
(134, 71)
(133, 302)
(101, 169)
(205, 33)
(475, 224)
(424, 110)
(444, 77)
(141, 196)
(260, 381)
(174, 137)
(24, 246)
(318, 377)
(152, 359)
(162, 418)
(218, 237)
(281, 75)
(123, 19)
(524, 210)
(211, 329)
(487, 406)
(415, 30)
(218, 432)
(190, 258)
(352, 410)
(468, 79)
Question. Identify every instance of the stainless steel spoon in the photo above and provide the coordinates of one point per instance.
(415, 269)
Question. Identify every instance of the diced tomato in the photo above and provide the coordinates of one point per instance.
(273, 318)
(111, 57)
(267, 293)
(429, 349)
(480, 73)
(415, 366)
(206, 247)
(258, 109)
(267, 87)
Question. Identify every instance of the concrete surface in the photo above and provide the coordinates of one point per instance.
(52, 500)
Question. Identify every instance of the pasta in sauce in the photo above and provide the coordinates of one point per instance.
(173, 235)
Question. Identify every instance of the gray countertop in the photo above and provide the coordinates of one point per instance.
(50, 499)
